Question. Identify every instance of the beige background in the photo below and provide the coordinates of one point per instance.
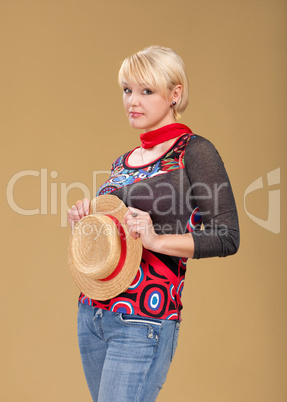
(61, 111)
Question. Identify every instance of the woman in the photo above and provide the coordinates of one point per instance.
(181, 205)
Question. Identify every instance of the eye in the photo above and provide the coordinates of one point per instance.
(147, 91)
(127, 91)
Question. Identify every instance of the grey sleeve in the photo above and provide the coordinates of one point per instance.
(212, 193)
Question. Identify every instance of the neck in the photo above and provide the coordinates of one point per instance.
(168, 121)
(152, 138)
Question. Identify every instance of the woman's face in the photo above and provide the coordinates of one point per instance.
(146, 109)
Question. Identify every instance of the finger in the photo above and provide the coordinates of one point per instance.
(73, 213)
(79, 205)
(137, 228)
(86, 206)
(126, 217)
(129, 215)
(71, 223)
(131, 225)
(135, 235)
(134, 211)
(70, 218)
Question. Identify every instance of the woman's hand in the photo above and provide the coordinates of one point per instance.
(78, 211)
(139, 224)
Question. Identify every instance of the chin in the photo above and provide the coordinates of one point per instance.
(138, 125)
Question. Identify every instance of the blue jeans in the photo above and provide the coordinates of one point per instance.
(125, 357)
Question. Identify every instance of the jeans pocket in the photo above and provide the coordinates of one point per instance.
(131, 318)
(175, 339)
(152, 325)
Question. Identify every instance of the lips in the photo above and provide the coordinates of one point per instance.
(135, 114)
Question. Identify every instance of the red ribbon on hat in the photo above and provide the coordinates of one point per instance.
(123, 255)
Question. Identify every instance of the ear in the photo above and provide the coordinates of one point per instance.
(176, 93)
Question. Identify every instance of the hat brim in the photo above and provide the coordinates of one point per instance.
(105, 290)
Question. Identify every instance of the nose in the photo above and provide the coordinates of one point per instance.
(134, 99)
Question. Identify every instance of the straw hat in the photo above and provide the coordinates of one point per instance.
(103, 257)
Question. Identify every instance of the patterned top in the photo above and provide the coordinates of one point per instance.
(181, 190)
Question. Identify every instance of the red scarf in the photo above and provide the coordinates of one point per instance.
(162, 134)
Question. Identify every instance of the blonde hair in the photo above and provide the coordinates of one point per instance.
(160, 68)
